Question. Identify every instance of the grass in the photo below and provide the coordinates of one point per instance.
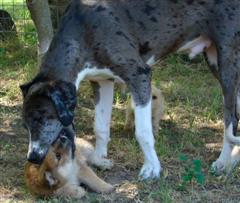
(192, 126)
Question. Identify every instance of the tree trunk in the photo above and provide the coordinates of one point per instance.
(41, 17)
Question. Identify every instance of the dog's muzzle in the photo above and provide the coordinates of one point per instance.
(38, 151)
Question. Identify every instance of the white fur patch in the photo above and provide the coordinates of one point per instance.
(103, 111)
(151, 61)
(144, 134)
(69, 171)
(229, 135)
(229, 154)
(50, 179)
(34, 146)
(95, 74)
(196, 46)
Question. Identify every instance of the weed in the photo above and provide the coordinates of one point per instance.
(192, 172)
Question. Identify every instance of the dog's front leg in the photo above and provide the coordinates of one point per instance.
(144, 135)
(103, 91)
(140, 87)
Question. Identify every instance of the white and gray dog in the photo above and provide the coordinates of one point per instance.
(109, 41)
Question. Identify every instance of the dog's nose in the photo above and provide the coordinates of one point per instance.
(34, 158)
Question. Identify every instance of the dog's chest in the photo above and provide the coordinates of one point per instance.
(69, 172)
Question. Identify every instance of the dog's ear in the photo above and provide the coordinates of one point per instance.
(63, 95)
(25, 87)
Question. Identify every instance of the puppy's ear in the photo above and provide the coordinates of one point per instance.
(63, 95)
(25, 87)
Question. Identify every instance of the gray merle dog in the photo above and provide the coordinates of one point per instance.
(109, 41)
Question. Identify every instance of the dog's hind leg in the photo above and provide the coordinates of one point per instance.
(87, 176)
(227, 72)
(103, 91)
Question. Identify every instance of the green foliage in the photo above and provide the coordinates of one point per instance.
(192, 172)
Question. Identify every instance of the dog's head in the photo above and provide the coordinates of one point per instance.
(44, 179)
(48, 107)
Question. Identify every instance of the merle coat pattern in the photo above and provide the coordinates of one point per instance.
(109, 40)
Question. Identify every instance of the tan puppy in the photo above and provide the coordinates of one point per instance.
(157, 111)
(61, 172)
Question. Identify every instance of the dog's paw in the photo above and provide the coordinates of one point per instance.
(218, 167)
(101, 162)
(150, 171)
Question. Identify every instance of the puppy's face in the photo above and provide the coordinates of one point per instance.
(62, 151)
(44, 179)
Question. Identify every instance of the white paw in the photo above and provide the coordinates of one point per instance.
(218, 167)
(101, 162)
(150, 170)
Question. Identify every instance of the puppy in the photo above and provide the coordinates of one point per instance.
(157, 111)
(62, 171)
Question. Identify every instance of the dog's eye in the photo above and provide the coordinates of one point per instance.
(58, 156)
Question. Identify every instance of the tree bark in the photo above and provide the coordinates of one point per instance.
(41, 17)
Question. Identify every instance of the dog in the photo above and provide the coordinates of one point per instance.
(62, 171)
(118, 41)
(157, 111)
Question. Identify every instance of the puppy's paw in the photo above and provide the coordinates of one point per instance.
(101, 162)
(78, 193)
(70, 191)
(107, 188)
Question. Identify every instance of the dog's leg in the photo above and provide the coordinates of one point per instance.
(87, 176)
(226, 71)
(129, 119)
(103, 91)
(144, 135)
(140, 87)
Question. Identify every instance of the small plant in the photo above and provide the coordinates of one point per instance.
(192, 172)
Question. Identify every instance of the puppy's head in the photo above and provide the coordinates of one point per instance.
(48, 107)
(62, 150)
(43, 180)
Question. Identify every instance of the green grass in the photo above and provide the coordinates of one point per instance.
(192, 122)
